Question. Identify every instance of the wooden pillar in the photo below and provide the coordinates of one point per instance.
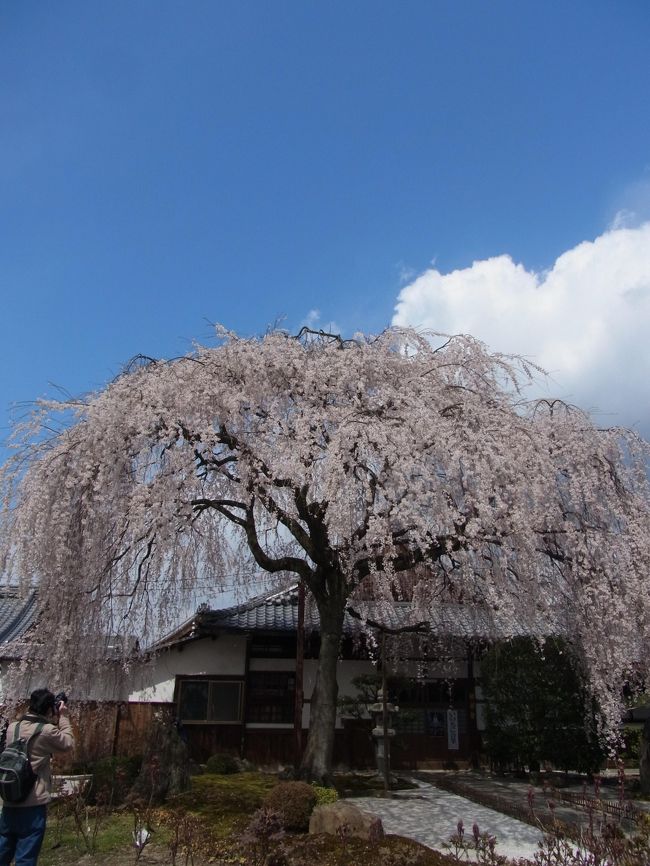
(300, 665)
(384, 700)
(472, 730)
(116, 727)
(242, 739)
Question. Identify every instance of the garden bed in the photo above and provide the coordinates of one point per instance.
(207, 823)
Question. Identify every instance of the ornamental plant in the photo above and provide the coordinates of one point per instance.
(325, 796)
(294, 802)
(222, 764)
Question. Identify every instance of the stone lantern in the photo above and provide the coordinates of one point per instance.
(382, 731)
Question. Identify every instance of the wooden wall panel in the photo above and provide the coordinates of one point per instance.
(134, 723)
(206, 740)
(107, 729)
(93, 724)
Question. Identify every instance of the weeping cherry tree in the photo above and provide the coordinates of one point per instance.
(341, 463)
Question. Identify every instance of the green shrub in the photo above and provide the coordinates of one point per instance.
(222, 765)
(294, 801)
(325, 795)
(538, 707)
(113, 777)
(632, 744)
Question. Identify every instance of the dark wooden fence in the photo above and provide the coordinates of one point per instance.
(134, 724)
(111, 728)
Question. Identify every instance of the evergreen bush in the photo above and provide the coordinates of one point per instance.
(222, 764)
(538, 708)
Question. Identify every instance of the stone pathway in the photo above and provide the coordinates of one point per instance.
(430, 815)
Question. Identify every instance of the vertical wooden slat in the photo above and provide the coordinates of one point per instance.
(300, 658)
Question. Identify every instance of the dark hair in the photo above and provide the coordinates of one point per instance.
(40, 701)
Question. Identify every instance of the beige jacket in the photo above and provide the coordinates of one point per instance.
(53, 738)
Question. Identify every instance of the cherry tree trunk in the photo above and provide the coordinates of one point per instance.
(317, 759)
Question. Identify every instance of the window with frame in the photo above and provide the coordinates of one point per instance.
(210, 701)
(273, 647)
(423, 706)
(271, 697)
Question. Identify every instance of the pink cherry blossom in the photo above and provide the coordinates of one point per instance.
(346, 464)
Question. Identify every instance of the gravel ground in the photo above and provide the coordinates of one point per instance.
(430, 816)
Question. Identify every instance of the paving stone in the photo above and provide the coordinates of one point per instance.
(430, 816)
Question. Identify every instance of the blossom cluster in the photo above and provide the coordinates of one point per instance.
(347, 464)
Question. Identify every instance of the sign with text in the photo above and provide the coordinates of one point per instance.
(452, 729)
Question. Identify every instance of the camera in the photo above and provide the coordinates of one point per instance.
(60, 698)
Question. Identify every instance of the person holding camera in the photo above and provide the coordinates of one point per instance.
(46, 728)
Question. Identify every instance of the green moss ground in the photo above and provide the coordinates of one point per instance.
(226, 803)
(63, 843)
(223, 806)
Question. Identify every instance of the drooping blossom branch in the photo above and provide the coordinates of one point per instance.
(345, 463)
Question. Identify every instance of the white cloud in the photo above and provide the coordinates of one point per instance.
(623, 219)
(405, 273)
(311, 319)
(586, 320)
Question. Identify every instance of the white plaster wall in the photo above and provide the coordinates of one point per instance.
(227, 656)
(221, 657)
(346, 670)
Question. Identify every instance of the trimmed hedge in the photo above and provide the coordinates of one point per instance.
(295, 802)
(222, 765)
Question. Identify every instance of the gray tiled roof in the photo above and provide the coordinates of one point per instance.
(273, 611)
(16, 616)
(449, 619)
(277, 611)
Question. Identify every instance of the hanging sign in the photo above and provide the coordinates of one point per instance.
(452, 730)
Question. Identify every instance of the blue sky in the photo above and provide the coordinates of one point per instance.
(165, 165)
